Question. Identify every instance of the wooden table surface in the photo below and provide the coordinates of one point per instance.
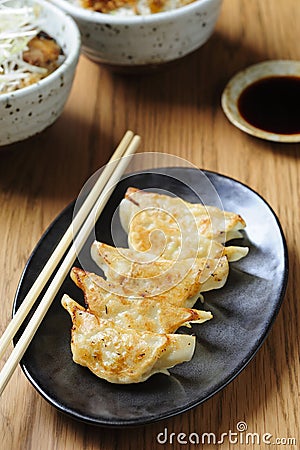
(176, 111)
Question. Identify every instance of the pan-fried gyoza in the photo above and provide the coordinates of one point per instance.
(123, 355)
(180, 283)
(176, 251)
(154, 314)
(172, 228)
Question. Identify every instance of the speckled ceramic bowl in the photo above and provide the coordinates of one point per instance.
(144, 40)
(28, 111)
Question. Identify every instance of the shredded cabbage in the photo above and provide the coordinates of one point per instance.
(18, 25)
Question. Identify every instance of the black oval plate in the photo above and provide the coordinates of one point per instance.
(243, 312)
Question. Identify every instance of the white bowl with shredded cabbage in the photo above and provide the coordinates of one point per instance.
(39, 51)
(129, 33)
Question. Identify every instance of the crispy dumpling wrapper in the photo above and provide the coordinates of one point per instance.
(143, 314)
(177, 250)
(172, 228)
(122, 355)
(179, 282)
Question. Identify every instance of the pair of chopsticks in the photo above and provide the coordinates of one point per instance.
(80, 227)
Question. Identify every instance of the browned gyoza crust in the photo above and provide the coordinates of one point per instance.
(122, 355)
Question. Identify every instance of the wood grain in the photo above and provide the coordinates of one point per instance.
(176, 110)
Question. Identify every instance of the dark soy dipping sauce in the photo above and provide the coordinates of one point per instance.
(272, 104)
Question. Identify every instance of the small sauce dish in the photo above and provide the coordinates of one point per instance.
(263, 100)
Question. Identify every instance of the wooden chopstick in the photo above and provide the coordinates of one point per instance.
(89, 213)
(62, 246)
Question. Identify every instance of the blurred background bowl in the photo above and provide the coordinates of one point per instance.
(141, 40)
(27, 111)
